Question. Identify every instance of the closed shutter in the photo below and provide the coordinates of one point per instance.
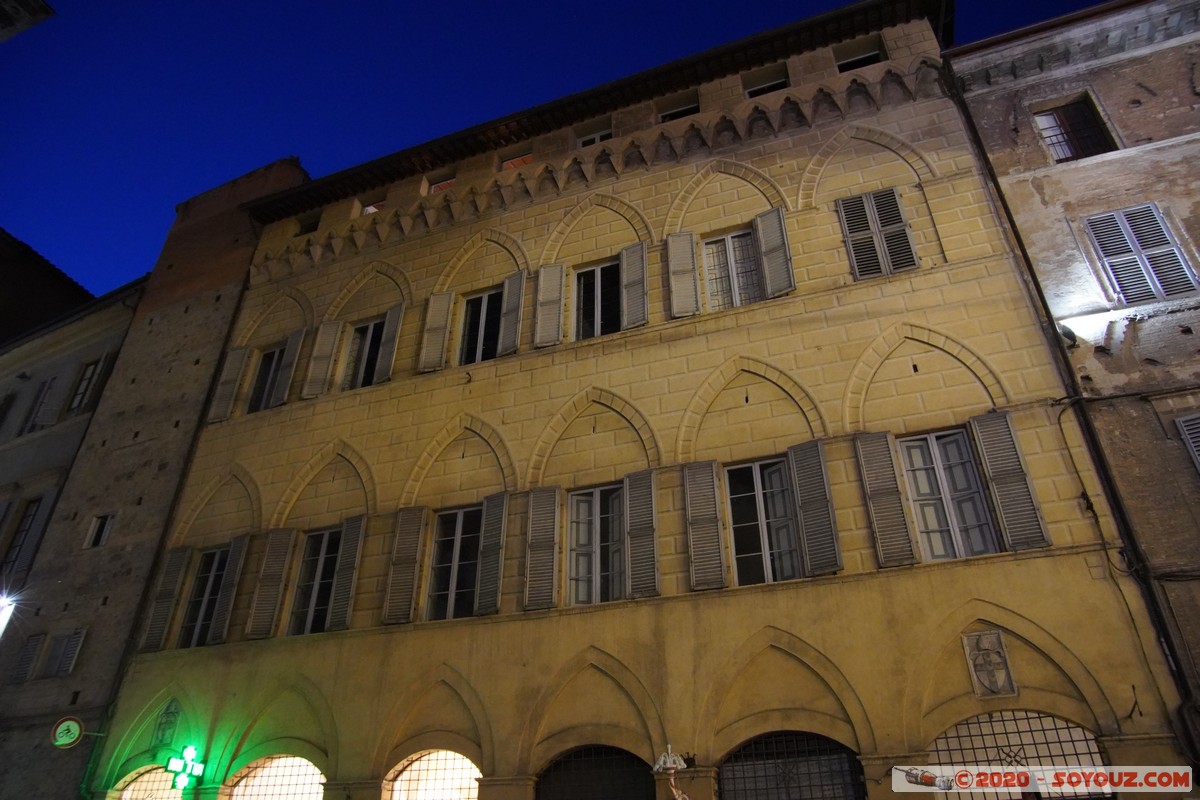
(640, 530)
(159, 617)
(540, 573)
(320, 361)
(437, 331)
(681, 270)
(865, 259)
(1011, 490)
(705, 552)
(510, 313)
(402, 575)
(1142, 257)
(548, 320)
(1189, 428)
(769, 231)
(218, 629)
(341, 598)
(27, 658)
(387, 345)
(491, 553)
(70, 652)
(881, 485)
(37, 529)
(264, 609)
(893, 231)
(227, 384)
(634, 311)
(51, 403)
(818, 530)
(287, 368)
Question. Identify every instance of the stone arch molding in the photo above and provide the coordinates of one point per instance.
(508, 243)
(235, 472)
(717, 739)
(921, 166)
(536, 751)
(134, 752)
(461, 424)
(868, 364)
(285, 294)
(722, 376)
(635, 218)
(759, 180)
(321, 459)
(243, 746)
(572, 409)
(389, 271)
(922, 727)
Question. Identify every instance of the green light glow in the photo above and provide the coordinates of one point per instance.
(189, 753)
(182, 780)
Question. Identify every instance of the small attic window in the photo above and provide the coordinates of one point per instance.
(373, 203)
(515, 157)
(860, 52)
(762, 81)
(678, 106)
(440, 181)
(308, 222)
(594, 132)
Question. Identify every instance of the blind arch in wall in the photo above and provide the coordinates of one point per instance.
(790, 765)
(596, 772)
(279, 778)
(441, 774)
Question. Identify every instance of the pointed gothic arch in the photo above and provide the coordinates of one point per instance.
(499, 238)
(382, 268)
(623, 209)
(921, 166)
(235, 471)
(452, 430)
(286, 294)
(759, 180)
(338, 448)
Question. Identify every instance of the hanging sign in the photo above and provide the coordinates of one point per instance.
(185, 768)
(67, 732)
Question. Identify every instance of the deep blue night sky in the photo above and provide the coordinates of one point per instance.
(113, 112)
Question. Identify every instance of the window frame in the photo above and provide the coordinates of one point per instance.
(84, 386)
(482, 325)
(21, 527)
(598, 299)
(321, 549)
(262, 387)
(203, 598)
(455, 564)
(30, 424)
(596, 580)
(99, 530)
(730, 275)
(767, 552)
(361, 356)
(1084, 131)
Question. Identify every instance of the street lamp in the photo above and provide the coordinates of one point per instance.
(7, 605)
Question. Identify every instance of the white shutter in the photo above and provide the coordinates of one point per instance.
(1142, 257)
(341, 597)
(51, 403)
(491, 553)
(227, 384)
(1008, 481)
(320, 361)
(892, 230)
(27, 658)
(865, 259)
(540, 558)
(287, 368)
(387, 345)
(776, 256)
(881, 485)
(634, 311)
(510, 313)
(218, 629)
(264, 609)
(548, 319)
(436, 333)
(402, 575)
(640, 532)
(70, 652)
(159, 616)
(705, 552)
(681, 270)
(818, 529)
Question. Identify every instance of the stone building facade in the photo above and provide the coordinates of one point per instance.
(1092, 125)
(707, 409)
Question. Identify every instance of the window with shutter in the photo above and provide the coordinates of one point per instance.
(745, 266)
(876, 234)
(159, 616)
(481, 327)
(264, 608)
(597, 545)
(491, 553)
(22, 534)
(227, 384)
(402, 575)
(540, 548)
(198, 617)
(548, 321)
(1189, 430)
(83, 386)
(27, 658)
(266, 376)
(1142, 257)
(611, 297)
(454, 572)
(314, 585)
(341, 598)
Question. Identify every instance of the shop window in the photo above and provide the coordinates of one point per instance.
(1074, 130)
(153, 784)
(279, 778)
(876, 234)
(441, 774)
(791, 764)
(1141, 256)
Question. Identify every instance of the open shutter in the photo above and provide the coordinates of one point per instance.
(881, 485)
(341, 599)
(865, 258)
(1011, 491)
(33, 539)
(320, 362)
(491, 553)
(227, 384)
(51, 404)
(97, 387)
(218, 629)
(437, 331)
(402, 576)
(1123, 264)
(548, 320)
(818, 530)
(287, 368)
(159, 617)
(70, 652)
(705, 553)
(681, 270)
(634, 311)
(778, 277)
(539, 560)
(510, 313)
(1189, 429)
(641, 533)
(893, 231)
(1160, 250)
(387, 345)
(264, 609)
(27, 658)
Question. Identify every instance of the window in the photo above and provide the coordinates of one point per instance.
(765, 80)
(265, 379)
(481, 327)
(946, 495)
(98, 533)
(1073, 131)
(38, 414)
(860, 52)
(597, 301)
(6, 404)
(594, 132)
(597, 545)
(594, 138)
(455, 569)
(678, 106)
(734, 271)
(791, 764)
(876, 234)
(362, 354)
(314, 587)
(435, 773)
(279, 778)
(595, 771)
(739, 268)
(308, 223)
(762, 512)
(153, 784)
(61, 655)
(21, 537)
(202, 604)
(1143, 259)
(519, 159)
(83, 386)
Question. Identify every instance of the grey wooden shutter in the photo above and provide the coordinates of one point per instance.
(227, 384)
(264, 608)
(491, 553)
(402, 575)
(51, 404)
(436, 333)
(540, 561)
(387, 345)
(1189, 429)
(159, 617)
(287, 368)
(640, 531)
(634, 312)
(1011, 490)
(865, 260)
(320, 361)
(218, 629)
(1141, 255)
(818, 529)
(98, 383)
(341, 598)
(681, 271)
(705, 552)
(37, 530)
(548, 319)
(881, 485)
(27, 658)
(769, 232)
(892, 230)
(510, 313)
(70, 652)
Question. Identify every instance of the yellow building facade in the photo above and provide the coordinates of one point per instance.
(708, 408)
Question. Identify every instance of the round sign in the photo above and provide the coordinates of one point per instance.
(67, 732)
